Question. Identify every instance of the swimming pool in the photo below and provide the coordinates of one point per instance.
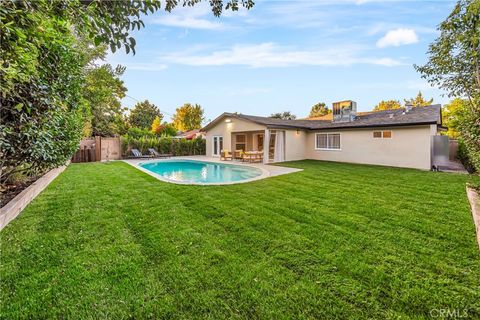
(201, 172)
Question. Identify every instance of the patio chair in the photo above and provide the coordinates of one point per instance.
(157, 154)
(238, 154)
(136, 154)
(225, 155)
(247, 156)
(257, 156)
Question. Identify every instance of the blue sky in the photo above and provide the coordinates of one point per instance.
(283, 55)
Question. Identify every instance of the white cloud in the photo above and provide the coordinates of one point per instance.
(272, 55)
(140, 66)
(189, 23)
(196, 17)
(398, 37)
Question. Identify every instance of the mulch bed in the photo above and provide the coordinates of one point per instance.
(10, 191)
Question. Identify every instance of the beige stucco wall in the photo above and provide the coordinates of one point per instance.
(295, 145)
(409, 147)
(225, 130)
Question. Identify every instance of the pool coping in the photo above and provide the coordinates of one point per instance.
(267, 170)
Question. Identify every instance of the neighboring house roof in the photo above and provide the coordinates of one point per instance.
(189, 134)
(398, 117)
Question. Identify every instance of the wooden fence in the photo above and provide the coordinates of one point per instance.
(453, 146)
(98, 149)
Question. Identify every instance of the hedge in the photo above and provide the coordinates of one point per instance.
(175, 146)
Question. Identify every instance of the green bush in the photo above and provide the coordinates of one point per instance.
(137, 133)
(467, 125)
(42, 103)
(463, 156)
(177, 147)
(469, 137)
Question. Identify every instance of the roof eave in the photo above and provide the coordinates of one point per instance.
(231, 115)
(213, 122)
(286, 127)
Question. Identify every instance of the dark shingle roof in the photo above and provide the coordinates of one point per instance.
(398, 117)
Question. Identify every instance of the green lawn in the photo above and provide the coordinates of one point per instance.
(333, 241)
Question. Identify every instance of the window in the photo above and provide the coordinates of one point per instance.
(240, 142)
(382, 134)
(327, 141)
(387, 134)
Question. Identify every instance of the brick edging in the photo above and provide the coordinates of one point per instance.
(15, 206)
(474, 199)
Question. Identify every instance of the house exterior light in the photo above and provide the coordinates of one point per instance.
(228, 120)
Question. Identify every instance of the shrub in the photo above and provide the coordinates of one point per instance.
(463, 156)
(137, 133)
(42, 103)
(168, 130)
(177, 147)
(469, 136)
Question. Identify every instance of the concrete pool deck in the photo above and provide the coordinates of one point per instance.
(267, 170)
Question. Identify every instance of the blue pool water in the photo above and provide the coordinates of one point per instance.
(191, 171)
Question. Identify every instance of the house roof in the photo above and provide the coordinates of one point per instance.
(329, 116)
(188, 133)
(397, 117)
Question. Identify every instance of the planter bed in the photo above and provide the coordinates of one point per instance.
(15, 206)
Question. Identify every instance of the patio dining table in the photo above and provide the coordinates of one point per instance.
(252, 156)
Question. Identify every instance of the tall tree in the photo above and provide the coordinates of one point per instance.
(143, 114)
(387, 105)
(418, 101)
(286, 115)
(319, 109)
(42, 70)
(452, 115)
(157, 125)
(168, 130)
(103, 91)
(188, 117)
(454, 66)
(112, 22)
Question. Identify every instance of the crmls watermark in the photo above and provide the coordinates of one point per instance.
(448, 313)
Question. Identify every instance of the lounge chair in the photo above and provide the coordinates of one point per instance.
(156, 154)
(138, 155)
(225, 155)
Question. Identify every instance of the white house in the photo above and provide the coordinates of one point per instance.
(401, 138)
